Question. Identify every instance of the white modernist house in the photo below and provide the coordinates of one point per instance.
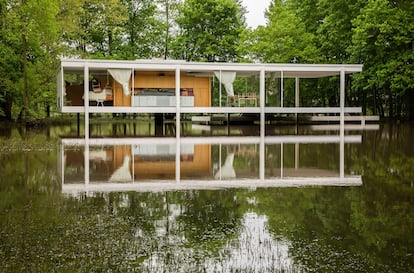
(180, 87)
(105, 164)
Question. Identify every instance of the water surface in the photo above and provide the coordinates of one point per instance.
(61, 212)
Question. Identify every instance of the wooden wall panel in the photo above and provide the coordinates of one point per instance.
(119, 98)
(119, 154)
(201, 164)
(74, 94)
(201, 161)
(200, 86)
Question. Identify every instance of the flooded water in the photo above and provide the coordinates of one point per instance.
(135, 198)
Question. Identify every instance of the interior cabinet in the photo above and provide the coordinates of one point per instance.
(158, 97)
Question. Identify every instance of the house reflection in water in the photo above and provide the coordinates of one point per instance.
(132, 162)
(122, 164)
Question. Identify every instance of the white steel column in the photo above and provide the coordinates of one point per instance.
(62, 163)
(262, 124)
(342, 124)
(220, 163)
(281, 160)
(86, 162)
(133, 163)
(86, 98)
(220, 90)
(132, 86)
(86, 106)
(296, 155)
(281, 89)
(297, 92)
(342, 96)
(178, 124)
(297, 102)
(62, 92)
(342, 153)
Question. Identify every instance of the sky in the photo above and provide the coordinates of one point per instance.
(255, 12)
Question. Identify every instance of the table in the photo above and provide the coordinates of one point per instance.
(247, 99)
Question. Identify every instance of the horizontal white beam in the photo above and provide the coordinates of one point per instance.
(166, 185)
(214, 140)
(201, 118)
(163, 65)
(310, 110)
(312, 139)
(220, 110)
(212, 110)
(73, 109)
(347, 127)
(126, 109)
(347, 118)
(118, 109)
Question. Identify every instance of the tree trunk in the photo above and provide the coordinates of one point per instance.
(348, 92)
(410, 105)
(375, 100)
(6, 106)
(24, 59)
(131, 29)
(364, 102)
(398, 107)
(48, 110)
(167, 30)
(390, 105)
(110, 42)
(25, 91)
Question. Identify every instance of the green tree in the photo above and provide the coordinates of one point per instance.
(284, 38)
(101, 27)
(335, 29)
(309, 12)
(142, 30)
(29, 30)
(382, 41)
(10, 62)
(169, 12)
(209, 30)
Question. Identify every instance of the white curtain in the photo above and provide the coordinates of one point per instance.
(226, 78)
(122, 174)
(227, 170)
(122, 76)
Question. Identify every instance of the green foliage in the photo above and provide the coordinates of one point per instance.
(142, 30)
(335, 29)
(382, 41)
(168, 14)
(376, 33)
(209, 30)
(284, 39)
(101, 27)
(366, 228)
(29, 34)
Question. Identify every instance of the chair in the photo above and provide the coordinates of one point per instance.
(231, 100)
(96, 86)
(100, 102)
(252, 98)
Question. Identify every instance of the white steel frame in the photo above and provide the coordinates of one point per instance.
(178, 183)
(295, 71)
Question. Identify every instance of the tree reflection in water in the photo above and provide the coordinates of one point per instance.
(304, 229)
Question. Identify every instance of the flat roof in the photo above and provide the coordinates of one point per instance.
(169, 185)
(205, 69)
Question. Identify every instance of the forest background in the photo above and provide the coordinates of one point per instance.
(35, 34)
